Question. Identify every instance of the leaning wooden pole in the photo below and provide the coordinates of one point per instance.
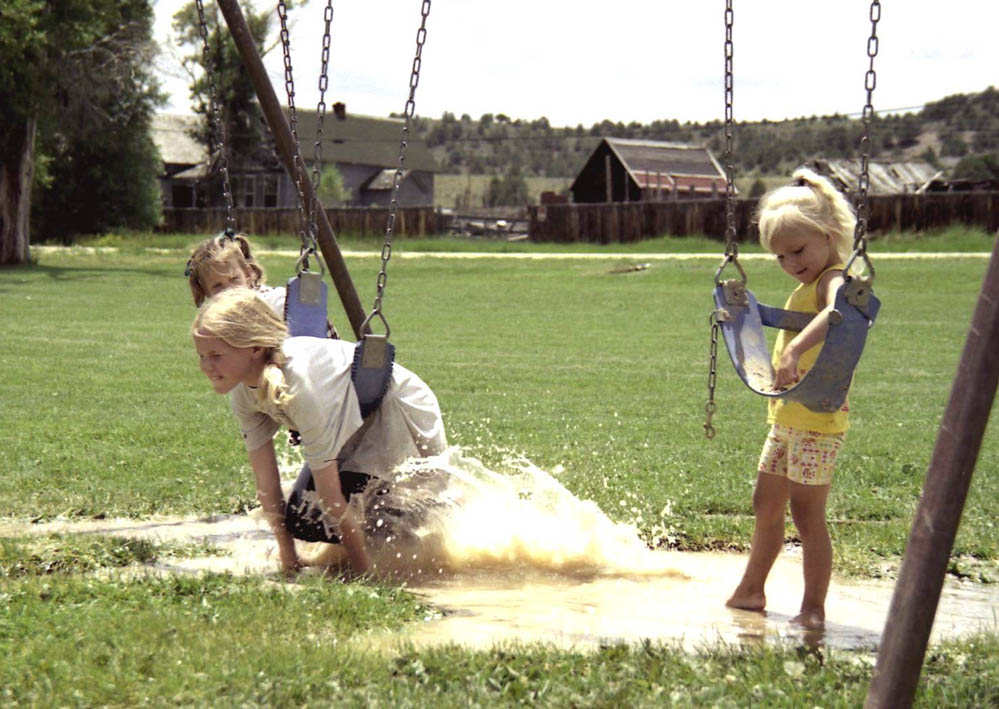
(917, 592)
(285, 143)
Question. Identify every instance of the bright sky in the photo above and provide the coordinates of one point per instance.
(628, 60)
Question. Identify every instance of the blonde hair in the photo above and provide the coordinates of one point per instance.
(809, 204)
(241, 318)
(223, 254)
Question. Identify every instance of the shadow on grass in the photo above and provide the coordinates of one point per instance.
(72, 273)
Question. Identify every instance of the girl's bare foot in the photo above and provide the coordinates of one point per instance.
(747, 601)
(811, 620)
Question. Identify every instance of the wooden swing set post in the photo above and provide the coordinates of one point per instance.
(285, 143)
(927, 554)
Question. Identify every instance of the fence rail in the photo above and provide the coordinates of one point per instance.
(364, 221)
(625, 222)
(605, 223)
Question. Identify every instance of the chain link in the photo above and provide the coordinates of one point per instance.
(710, 407)
(731, 246)
(414, 80)
(216, 117)
(298, 163)
(864, 181)
(317, 154)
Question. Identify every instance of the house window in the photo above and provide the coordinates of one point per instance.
(270, 190)
(249, 186)
(182, 196)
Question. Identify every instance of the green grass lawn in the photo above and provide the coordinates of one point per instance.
(106, 413)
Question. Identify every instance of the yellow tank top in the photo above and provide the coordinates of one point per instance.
(804, 298)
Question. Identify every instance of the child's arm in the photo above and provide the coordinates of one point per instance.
(334, 504)
(265, 468)
(813, 334)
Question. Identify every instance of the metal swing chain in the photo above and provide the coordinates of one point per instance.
(414, 80)
(317, 154)
(731, 247)
(219, 129)
(864, 181)
(289, 85)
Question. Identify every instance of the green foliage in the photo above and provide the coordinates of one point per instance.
(511, 189)
(977, 167)
(331, 191)
(83, 71)
(234, 95)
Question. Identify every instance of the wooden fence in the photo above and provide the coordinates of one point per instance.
(361, 221)
(624, 222)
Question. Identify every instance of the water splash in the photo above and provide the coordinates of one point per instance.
(452, 514)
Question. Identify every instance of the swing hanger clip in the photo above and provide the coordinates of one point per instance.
(309, 248)
(366, 325)
(730, 257)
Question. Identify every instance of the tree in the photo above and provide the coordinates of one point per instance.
(246, 142)
(977, 167)
(73, 71)
(509, 190)
(331, 190)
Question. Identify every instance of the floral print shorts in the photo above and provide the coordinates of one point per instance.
(805, 457)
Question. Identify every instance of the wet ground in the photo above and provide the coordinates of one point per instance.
(676, 597)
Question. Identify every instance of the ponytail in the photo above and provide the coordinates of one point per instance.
(809, 203)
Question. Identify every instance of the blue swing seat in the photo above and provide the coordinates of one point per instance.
(825, 386)
(371, 373)
(305, 305)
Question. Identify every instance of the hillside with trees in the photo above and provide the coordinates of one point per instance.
(959, 133)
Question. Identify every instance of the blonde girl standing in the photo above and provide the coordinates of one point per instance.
(809, 226)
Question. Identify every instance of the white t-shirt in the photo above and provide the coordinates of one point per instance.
(274, 297)
(323, 408)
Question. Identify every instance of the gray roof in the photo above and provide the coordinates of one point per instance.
(885, 177)
(652, 156)
(353, 140)
(172, 136)
(362, 140)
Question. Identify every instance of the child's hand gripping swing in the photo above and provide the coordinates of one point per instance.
(741, 319)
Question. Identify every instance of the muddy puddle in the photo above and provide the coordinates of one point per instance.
(515, 558)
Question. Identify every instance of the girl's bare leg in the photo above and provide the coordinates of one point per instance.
(769, 502)
(808, 509)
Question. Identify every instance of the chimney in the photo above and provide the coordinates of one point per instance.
(340, 110)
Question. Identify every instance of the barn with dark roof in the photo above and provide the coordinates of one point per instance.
(625, 170)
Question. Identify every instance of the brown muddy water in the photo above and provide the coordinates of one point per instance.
(513, 558)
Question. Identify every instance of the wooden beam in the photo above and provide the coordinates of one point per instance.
(285, 143)
(927, 554)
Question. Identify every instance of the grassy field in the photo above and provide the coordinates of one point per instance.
(106, 414)
(470, 190)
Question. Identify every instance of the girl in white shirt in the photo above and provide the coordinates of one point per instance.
(304, 383)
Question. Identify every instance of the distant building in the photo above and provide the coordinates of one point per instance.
(184, 158)
(364, 149)
(885, 177)
(624, 170)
